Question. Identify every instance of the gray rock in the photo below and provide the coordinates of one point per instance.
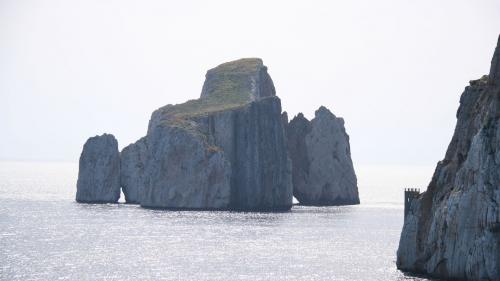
(253, 139)
(235, 130)
(495, 66)
(247, 77)
(284, 120)
(132, 174)
(453, 229)
(296, 132)
(184, 170)
(323, 173)
(99, 171)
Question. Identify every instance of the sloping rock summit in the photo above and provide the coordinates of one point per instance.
(453, 229)
(323, 173)
(228, 150)
(99, 173)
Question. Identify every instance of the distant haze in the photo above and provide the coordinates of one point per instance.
(393, 69)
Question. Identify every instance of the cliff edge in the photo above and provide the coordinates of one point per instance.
(453, 229)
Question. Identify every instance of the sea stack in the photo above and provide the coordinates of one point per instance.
(323, 173)
(225, 150)
(132, 170)
(453, 229)
(99, 172)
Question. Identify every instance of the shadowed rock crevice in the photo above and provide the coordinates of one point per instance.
(132, 170)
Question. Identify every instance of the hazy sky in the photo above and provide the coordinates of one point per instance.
(394, 69)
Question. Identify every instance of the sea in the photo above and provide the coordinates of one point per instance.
(46, 235)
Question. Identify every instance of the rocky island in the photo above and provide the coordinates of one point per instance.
(453, 229)
(323, 173)
(99, 172)
(227, 150)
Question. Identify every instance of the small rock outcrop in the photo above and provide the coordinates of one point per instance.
(132, 170)
(225, 150)
(453, 229)
(323, 173)
(99, 173)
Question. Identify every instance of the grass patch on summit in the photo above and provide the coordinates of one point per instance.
(204, 106)
(227, 86)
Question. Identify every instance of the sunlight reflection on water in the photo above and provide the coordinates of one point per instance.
(45, 235)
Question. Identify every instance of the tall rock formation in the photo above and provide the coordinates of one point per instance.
(323, 173)
(185, 170)
(225, 150)
(132, 170)
(99, 173)
(453, 229)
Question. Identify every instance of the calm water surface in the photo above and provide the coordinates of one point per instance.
(45, 235)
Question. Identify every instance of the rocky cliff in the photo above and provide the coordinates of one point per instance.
(228, 150)
(453, 229)
(99, 173)
(184, 170)
(132, 170)
(323, 173)
(225, 150)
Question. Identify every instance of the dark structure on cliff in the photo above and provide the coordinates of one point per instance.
(410, 195)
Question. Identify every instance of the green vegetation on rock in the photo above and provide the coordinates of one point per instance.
(211, 104)
(241, 66)
(228, 86)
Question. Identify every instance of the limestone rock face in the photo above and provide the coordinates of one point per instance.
(185, 171)
(99, 172)
(253, 140)
(453, 229)
(132, 170)
(323, 173)
(230, 142)
(284, 120)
